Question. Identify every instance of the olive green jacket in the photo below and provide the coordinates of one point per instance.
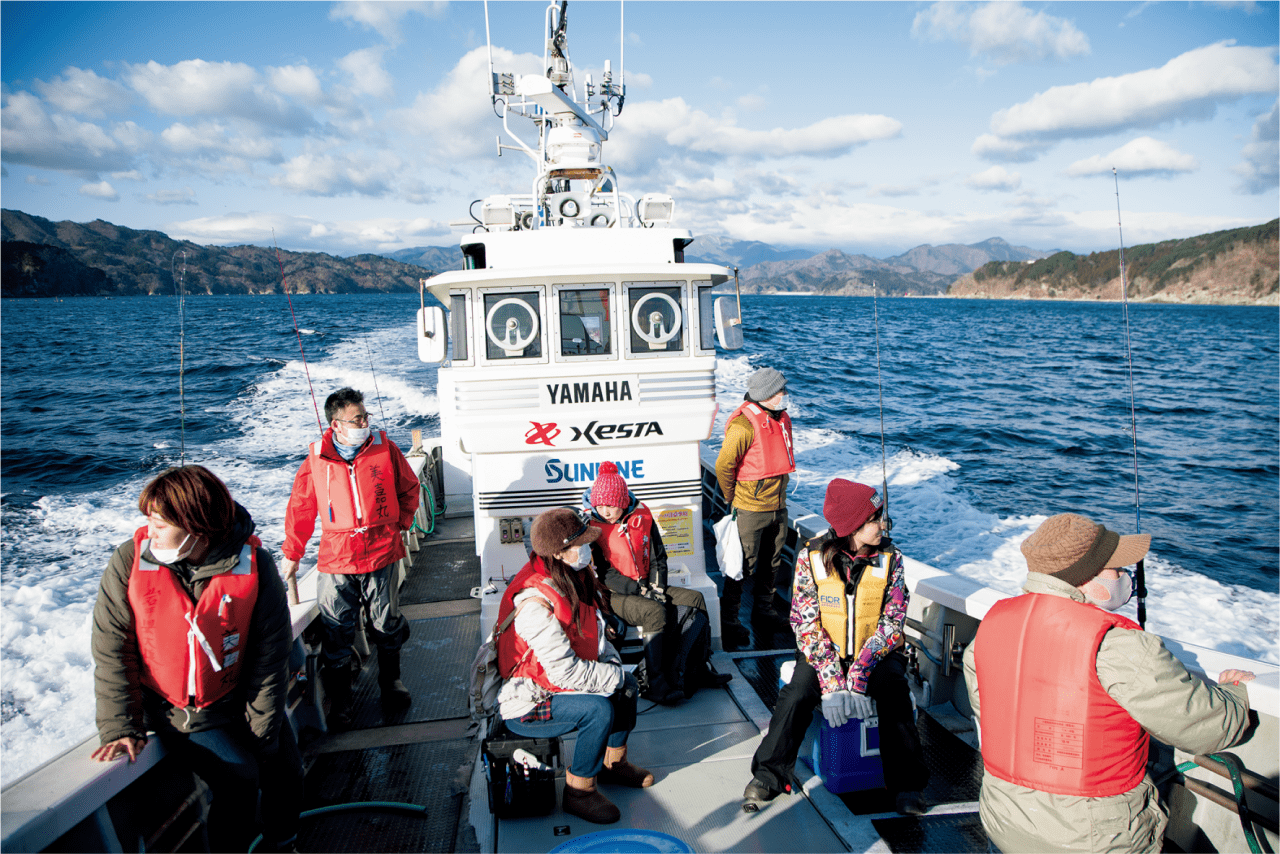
(1157, 691)
(126, 708)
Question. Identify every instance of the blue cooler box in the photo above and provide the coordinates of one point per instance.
(847, 758)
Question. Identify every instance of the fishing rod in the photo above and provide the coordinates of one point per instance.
(884, 469)
(374, 374)
(1140, 576)
(179, 281)
(297, 333)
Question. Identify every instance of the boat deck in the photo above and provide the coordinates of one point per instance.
(700, 751)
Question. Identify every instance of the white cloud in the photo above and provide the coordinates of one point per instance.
(194, 87)
(382, 17)
(991, 147)
(753, 103)
(457, 114)
(671, 127)
(297, 81)
(33, 137)
(83, 92)
(131, 175)
(337, 175)
(300, 232)
(1004, 32)
(1188, 86)
(214, 137)
(1260, 171)
(995, 178)
(101, 190)
(368, 77)
(1142, 156)
(185, 196)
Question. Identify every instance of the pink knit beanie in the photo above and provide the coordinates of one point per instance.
(609, 490)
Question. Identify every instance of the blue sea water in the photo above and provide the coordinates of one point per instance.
(996, 415)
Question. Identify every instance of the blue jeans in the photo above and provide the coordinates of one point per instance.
(591, 715)
(234, 768)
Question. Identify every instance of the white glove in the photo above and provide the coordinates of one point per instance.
(835, 708)
(860, 706)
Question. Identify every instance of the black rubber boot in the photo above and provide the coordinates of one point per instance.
(394, 694)
(337, 687)
(732, 632)
(660, 689)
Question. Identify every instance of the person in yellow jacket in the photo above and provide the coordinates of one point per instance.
(848, 606)
(752, 469)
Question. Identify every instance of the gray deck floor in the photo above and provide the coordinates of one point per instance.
(700, 752)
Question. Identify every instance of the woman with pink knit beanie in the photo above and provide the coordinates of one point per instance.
(632, 562)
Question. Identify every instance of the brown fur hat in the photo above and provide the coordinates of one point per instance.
(562, 528)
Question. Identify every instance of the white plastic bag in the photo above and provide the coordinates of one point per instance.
(728, 547)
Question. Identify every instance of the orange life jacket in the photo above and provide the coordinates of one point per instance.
(627, 543)
(1047, 722)
(515, 657)
(771, 453)
(359, 508)
(192, 652)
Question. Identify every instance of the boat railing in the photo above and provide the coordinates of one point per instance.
(72, 789)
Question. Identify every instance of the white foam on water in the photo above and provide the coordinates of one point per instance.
(56, 551)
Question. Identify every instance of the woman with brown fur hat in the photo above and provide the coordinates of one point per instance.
(560, 673)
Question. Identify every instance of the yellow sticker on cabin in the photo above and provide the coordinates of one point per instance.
(677, 530)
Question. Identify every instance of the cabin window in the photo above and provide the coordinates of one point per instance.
(585, 328)
(459, 328)
(655, 318)
(706, 319)
(513, 325)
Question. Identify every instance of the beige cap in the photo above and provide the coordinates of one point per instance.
(1074, 548)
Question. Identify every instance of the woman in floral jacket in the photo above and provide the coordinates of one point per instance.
(848, 605)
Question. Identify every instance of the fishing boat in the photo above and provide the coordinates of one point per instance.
(577, 334)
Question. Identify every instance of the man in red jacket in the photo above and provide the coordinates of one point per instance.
(366, 495)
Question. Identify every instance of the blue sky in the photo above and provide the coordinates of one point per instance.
(864, 126)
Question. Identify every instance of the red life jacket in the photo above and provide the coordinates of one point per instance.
(192, 652)
(1047, 722)
(771, 453)
(359, 507)
(626, 543)
(515, 657)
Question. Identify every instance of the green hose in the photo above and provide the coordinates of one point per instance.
(356, 805)
(1233, 768)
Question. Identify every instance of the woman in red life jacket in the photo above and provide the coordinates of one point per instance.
(191, 640)
(631, 560)
(560, 673)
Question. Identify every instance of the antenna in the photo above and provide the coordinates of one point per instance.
(1140, 577)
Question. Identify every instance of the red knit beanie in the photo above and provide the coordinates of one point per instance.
(609, 490)
(849, 505)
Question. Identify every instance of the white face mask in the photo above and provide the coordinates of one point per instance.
(584, 558)
(168, 556)
(782, 404)
(354, 437)
(1119, 591)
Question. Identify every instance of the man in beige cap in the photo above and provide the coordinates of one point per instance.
(1071, 694)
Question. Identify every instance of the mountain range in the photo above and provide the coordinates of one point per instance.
(45, 258)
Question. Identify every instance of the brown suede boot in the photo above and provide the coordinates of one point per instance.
(583, 800)
(618, 770)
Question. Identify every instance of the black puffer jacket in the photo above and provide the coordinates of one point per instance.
(127, 708)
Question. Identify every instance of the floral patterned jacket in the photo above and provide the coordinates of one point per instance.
(818, 648)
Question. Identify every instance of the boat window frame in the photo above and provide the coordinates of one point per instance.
(685, 333)
(482, 352)
(558, 350)
(705, 323)
(468, 311)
